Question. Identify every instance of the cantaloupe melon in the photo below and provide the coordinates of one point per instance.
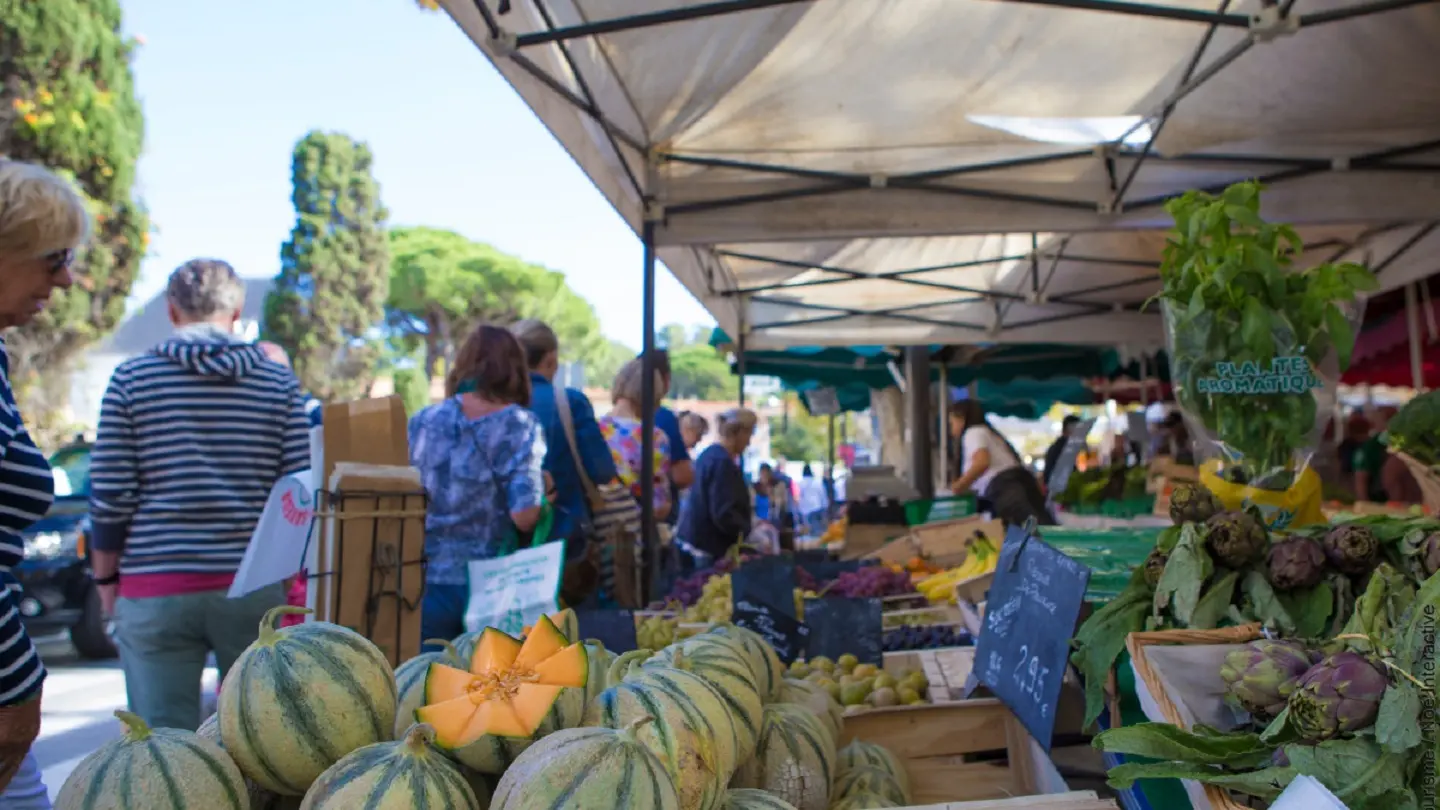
(723, 667)
(508, 689)
(751, 799)
(260, 798)
(410, 682)
(693, 733)
(399, 775)
(769, 672)
(587, 768)
(817, 699)
(794, 759)
(300, 698)
(867, 779)
(154, 769)
(860, 754)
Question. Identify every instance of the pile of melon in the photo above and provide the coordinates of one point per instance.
(313, 717)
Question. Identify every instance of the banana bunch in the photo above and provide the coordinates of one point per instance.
(981, 559)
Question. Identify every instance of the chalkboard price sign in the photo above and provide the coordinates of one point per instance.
(784, 633)
(840, 626)
(1030, 617)
(613, 628)
(766, 579)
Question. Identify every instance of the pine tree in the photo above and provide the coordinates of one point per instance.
(328, 301)
(67, 102)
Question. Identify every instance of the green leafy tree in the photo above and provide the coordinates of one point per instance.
(600, 370)
(698, 371)
(413, 388)
(328, 300)
(67, 101)
(798, 436)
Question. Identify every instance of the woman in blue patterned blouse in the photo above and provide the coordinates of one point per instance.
(479, 455)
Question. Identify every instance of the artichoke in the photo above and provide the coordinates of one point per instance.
(1260, 676)
(1430, 555)
(1339, 695)
(1235, 539)
(1155, 566)
(1295, 563)
(1192, 503)
(1351, 548)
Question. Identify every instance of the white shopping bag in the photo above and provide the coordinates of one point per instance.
(511, 593)
(278, 543)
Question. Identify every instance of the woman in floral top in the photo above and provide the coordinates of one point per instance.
(479, 455)
(621, 429)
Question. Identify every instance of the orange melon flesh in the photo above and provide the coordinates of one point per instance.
(568, 667)
(544, 641)
(532, 702)
(495, 651)
(445, 683)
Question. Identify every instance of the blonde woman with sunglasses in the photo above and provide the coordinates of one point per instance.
(42, 222)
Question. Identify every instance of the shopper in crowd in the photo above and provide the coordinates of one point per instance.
(693, 428)
(193, 436)
(682, 472)
(297, 587)
(1369, 459)
(1357, 432)
(622, 431)
(1175, 440)
(42, 223)
(1052, 454)
(991, 468)
(479, 454)
(719, 514)
(765, 506)
(277, 354)
(572, 503)
(813, 500)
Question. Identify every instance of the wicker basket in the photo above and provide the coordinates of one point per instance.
(1428, 480)
(1136, 643)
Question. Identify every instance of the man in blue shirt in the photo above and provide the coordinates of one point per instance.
(572, 510)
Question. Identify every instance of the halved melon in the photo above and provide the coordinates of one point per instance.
(565, 621)
(509, 688)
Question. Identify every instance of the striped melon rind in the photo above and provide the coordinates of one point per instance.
(301, 698)
(769, 672)
(410, 684)
(751, 799)
(723, 666)
(817, 699)
(863, 801)
(408, 773)
(795, 758)
(163, 767)
(260, 798)
(860, 754)
(865, 779)
(693, 733)
(587, 768)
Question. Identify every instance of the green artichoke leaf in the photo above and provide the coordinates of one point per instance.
(1344, 602)
(1266, 783)
(1357, 769)
(1310, 608)
(1398, 725)
(1397, 798)
(1215, 603)
(1204, 746)
(1101, 639)
(1185, 574)
(1280, 732)
(1266, 605)
(1168, 538)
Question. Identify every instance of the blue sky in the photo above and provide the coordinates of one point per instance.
(229, 87)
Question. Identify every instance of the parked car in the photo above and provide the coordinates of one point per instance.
(57, 593)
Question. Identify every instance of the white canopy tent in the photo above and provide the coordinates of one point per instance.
(975, 171)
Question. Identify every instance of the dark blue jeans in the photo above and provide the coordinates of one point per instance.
(442, 613)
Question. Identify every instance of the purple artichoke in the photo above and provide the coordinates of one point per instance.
(1260, 676)
(1295, 563)
(1235, 539)
(1155, 566)
(1339, 695)
(1192, 503)
(1430, 555)
(1352, 549)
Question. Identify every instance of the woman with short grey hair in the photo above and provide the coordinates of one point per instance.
(42, 223)
(719, 513)
(193, 436)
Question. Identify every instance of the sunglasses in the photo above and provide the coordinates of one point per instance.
(59, 261)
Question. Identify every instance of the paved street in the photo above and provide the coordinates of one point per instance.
(78, 712)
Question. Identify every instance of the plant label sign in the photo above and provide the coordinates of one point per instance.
(1030, 617)
(766, 579)
(786, 634)
(839, 626)
(614, 628)
(1065, 465)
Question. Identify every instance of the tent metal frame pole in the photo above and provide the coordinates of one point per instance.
(1412, 327)
(647, 405)
(917, 373)
(856, 275)
(1405, 247)
(894, 313)
(893, 275)
(740, 361)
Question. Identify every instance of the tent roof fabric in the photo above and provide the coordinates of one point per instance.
(832, 172)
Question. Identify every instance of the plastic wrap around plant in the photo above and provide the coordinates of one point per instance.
(1257, 346)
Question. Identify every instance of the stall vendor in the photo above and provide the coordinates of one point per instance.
(991, 468)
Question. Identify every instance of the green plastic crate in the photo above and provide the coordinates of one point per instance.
(934, 510)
